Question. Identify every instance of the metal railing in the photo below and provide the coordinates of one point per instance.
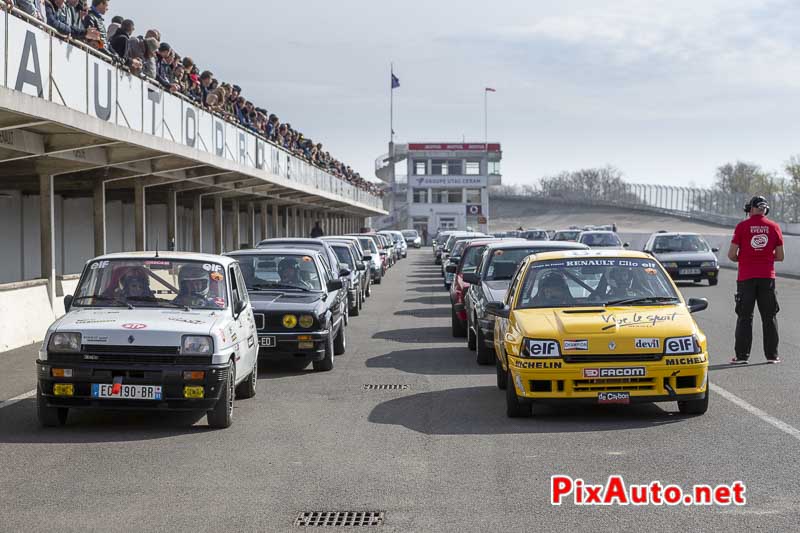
(243, 146)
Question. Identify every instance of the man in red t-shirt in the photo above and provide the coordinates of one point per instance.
(757, 243)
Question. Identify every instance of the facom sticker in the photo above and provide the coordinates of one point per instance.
(621, 372)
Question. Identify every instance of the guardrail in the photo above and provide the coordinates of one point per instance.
(42, 63)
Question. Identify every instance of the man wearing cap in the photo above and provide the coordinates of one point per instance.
(164, 74)
(757, 243)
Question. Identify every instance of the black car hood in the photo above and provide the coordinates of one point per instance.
(686, 256)
(496, 290)
(284, 301)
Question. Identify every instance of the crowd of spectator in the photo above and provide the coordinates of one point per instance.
(149, 56)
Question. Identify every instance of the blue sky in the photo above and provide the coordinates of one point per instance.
(664, 90)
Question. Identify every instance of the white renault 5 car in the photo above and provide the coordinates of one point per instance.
(149, 330)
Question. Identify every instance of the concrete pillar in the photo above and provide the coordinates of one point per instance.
(99, 200)
(276, 221)
(197, 224)
(296, 225)
(286, 212)
(47, 237)
(219, 235)
(237, 224)
(251, 224)
(140, 215)
(264, 220)
(172, 219)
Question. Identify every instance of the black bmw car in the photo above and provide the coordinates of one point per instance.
(490, 283)
(685, 256)
(298, 312)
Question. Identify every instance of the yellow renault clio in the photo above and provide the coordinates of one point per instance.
(601, 327)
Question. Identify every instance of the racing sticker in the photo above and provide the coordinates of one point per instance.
(217, 276)
(100, 264)
(622, 372)
(647, 344)
(209, 267)
(543, 348)
(157, 263)
(95, 338)
(134, 325)
(614, 397)
(679, 345)
(677, 361)
(185, 320)
(759, 241)
(95, 321)
(582, 344)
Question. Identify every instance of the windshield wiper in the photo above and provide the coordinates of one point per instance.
(644, 299)
(264, 286)
(101, 298)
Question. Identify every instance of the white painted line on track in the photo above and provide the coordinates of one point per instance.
(753, 410)
(17, 399)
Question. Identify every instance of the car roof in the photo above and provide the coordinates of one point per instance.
(298, 240)
(522, 244)
(172, 256)
(592, 253)
(277, 250)
(568, 229)
(675, 233)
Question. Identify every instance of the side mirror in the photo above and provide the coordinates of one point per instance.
(335, 285)
(67, 302)
(626, 245)
(497, 309)
(455, 259)
(344, 272)
(239, 308)
(472, 278)
(361, 267)
(367, 258)
(697, 304)
(451, 269)
(715, 249)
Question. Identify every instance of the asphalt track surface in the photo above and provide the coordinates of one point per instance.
(437, 455)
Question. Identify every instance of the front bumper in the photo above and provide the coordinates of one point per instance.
(288, 346)
(705, 273)
(168, 377)
(555, 381)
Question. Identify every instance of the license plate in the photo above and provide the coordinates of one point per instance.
(126, 392)
(689, 271)
(267, 342)
(614, 397)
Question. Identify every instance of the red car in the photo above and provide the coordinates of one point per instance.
(469, 263)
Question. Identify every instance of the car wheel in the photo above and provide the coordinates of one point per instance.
(49, 417)
(515, 408)
(368, 292)
(378, 279)
(457, 327)
(356, 310)
(327, 363)
(471, 341)
(346, 313)
(502, 379)
(713, 282)
(340, 343)
(247, 388)
(694, 407)
(484, 354)
(221, 416)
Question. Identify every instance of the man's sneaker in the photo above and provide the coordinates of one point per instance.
(774, 361)
(737, 361)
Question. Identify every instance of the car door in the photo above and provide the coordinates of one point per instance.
(332, 299)
(501, 324)
(242, 326)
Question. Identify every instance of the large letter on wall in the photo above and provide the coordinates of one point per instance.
(30, 76)
(260, 155)
(242, 149)
(219, 138)
(190, 126)
(154, 117)
(102, 111)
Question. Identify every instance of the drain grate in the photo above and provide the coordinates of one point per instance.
(339, 518)
(385, 386)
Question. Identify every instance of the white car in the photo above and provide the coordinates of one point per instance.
(412, 238)
(149, 330)
(399, 242)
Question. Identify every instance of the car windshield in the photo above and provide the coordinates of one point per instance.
(344, 255)
(680, 243)
(536, 235)
(503, 263)
(566, 235)
(410, 234)
(600, 239)
(589, 282)
(135, 282)
(458, 247)
(471, 259)
(270, 271)
(368, 244)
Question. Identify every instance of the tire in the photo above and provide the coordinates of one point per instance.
(514, 408)
(346, 313)
(340, 342)
(712, 282)
(49, 417)
(484, 355)
(502, 379)
(248, 387)
(378, 280)
(694, 407)
(326, 364)
(471, 340)
(456, 326)
(369, 289)
(356, 310)
(221, 416)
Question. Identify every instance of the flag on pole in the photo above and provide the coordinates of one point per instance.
(489, 89)
(395, 81)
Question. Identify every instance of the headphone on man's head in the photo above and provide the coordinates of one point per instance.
(754, 201)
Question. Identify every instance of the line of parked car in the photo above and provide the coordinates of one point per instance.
(186, 331)
(567, 323)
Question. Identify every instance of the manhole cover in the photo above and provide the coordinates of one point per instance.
(339, 518)
(385, 386)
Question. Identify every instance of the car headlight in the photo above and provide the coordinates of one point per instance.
(64, 342)
(306, 321)
(540, 348)
(197, 345)
(708, 264)
(289, 321)
(682, 345)
(670, 265)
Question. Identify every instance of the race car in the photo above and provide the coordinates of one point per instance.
(598, 327)
(685, 256)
